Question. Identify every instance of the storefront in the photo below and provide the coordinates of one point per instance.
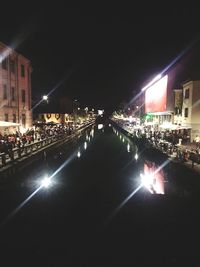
(8, 127)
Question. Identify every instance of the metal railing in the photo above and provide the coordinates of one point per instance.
(20, 152)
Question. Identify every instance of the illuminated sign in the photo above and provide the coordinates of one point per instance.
(156, 96)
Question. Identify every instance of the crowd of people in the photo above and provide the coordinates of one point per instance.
(175, 143)
(17, 139)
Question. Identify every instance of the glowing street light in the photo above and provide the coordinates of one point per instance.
(45, 97)
(46, 182)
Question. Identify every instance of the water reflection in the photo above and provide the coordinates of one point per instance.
(85, 145)
(79, 154)
(136, 156)
(153, 178)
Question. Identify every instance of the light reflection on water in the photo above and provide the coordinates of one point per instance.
(166, 179)
(156, 183)
(163, 178)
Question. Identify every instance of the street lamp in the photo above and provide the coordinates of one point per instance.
(45, 97)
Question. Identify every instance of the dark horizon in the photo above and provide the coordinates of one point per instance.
(99, 55)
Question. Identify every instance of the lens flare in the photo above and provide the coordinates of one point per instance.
(114, 213)
(46, 182)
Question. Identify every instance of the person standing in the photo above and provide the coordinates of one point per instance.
(196, 140)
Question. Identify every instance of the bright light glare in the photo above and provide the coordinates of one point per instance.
(158, 77)
(128, 147)
(147, 180)
(85, 145)
(123, 140)
(46, 182)
(136, 156)
(79, 154)
(100, 126)
(45, 97)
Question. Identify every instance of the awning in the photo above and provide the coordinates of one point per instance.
(174, 127)
(8, 124)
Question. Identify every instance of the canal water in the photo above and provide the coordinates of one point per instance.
(99, 201)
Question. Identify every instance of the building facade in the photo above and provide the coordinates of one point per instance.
(191, 107)
(15, 88)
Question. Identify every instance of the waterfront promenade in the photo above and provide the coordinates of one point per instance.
(18, 158)
(183, 154)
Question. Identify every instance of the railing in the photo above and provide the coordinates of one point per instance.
(177, 152)
(17, 153)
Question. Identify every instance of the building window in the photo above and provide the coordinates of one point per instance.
(23, 120)
(4, 64)
(12, 66)
(22, 71)
(23, 96)
(14, 118)
(186, 112)
(5, 96)
(187, 93)
(6, 117)
(177, 111)
(13, 93)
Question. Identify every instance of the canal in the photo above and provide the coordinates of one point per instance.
(106, 204)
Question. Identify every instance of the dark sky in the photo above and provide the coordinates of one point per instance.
(98, 54)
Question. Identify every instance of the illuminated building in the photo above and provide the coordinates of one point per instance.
(191, 107)
(159, 102)
(171, 103)
(15, 88)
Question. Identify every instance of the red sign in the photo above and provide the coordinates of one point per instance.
(156, 96)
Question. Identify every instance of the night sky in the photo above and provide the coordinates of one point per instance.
(98, 54)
